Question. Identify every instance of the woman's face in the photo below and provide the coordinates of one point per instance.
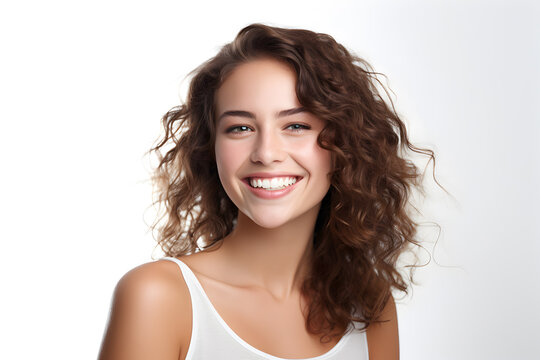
(267, 155)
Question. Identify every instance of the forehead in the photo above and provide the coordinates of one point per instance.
(258, 84)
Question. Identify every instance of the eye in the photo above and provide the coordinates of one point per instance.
(298, 127)
(238, 129)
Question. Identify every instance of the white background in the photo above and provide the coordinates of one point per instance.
(83, 86)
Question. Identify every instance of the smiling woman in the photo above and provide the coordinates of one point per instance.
(285, 190)
(269, 145)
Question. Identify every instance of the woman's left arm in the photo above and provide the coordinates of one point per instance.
(383, 337)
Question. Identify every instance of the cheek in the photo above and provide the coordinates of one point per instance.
(317, 159)
(228, 159)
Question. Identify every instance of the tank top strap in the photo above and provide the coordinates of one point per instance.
(189, 277)
(201, 305)
(197, 305)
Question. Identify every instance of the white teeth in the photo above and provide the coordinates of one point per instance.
(272, 184)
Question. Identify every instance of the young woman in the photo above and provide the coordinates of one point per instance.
(286, 194)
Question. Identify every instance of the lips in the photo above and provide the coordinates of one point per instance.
(270, 194)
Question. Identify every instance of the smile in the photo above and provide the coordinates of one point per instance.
(272, 187)
(276, 183)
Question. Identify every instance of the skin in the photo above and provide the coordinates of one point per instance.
(270, 241)
(262, 263)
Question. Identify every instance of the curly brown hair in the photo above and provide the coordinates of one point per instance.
(364, 223)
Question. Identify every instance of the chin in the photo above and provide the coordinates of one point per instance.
(269, 223)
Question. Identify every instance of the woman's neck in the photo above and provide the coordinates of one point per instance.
(276, 260)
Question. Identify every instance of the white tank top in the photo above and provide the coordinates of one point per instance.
(212, 338)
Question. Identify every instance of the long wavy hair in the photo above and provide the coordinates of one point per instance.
(365, 221)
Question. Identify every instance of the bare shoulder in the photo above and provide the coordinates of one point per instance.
(150, 315)
(154, 280)
(383, 337)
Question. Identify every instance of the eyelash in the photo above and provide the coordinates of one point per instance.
(231, 129)
(303, 127)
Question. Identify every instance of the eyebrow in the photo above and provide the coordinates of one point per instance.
(247, 114)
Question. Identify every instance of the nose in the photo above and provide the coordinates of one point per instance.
(267, 148)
